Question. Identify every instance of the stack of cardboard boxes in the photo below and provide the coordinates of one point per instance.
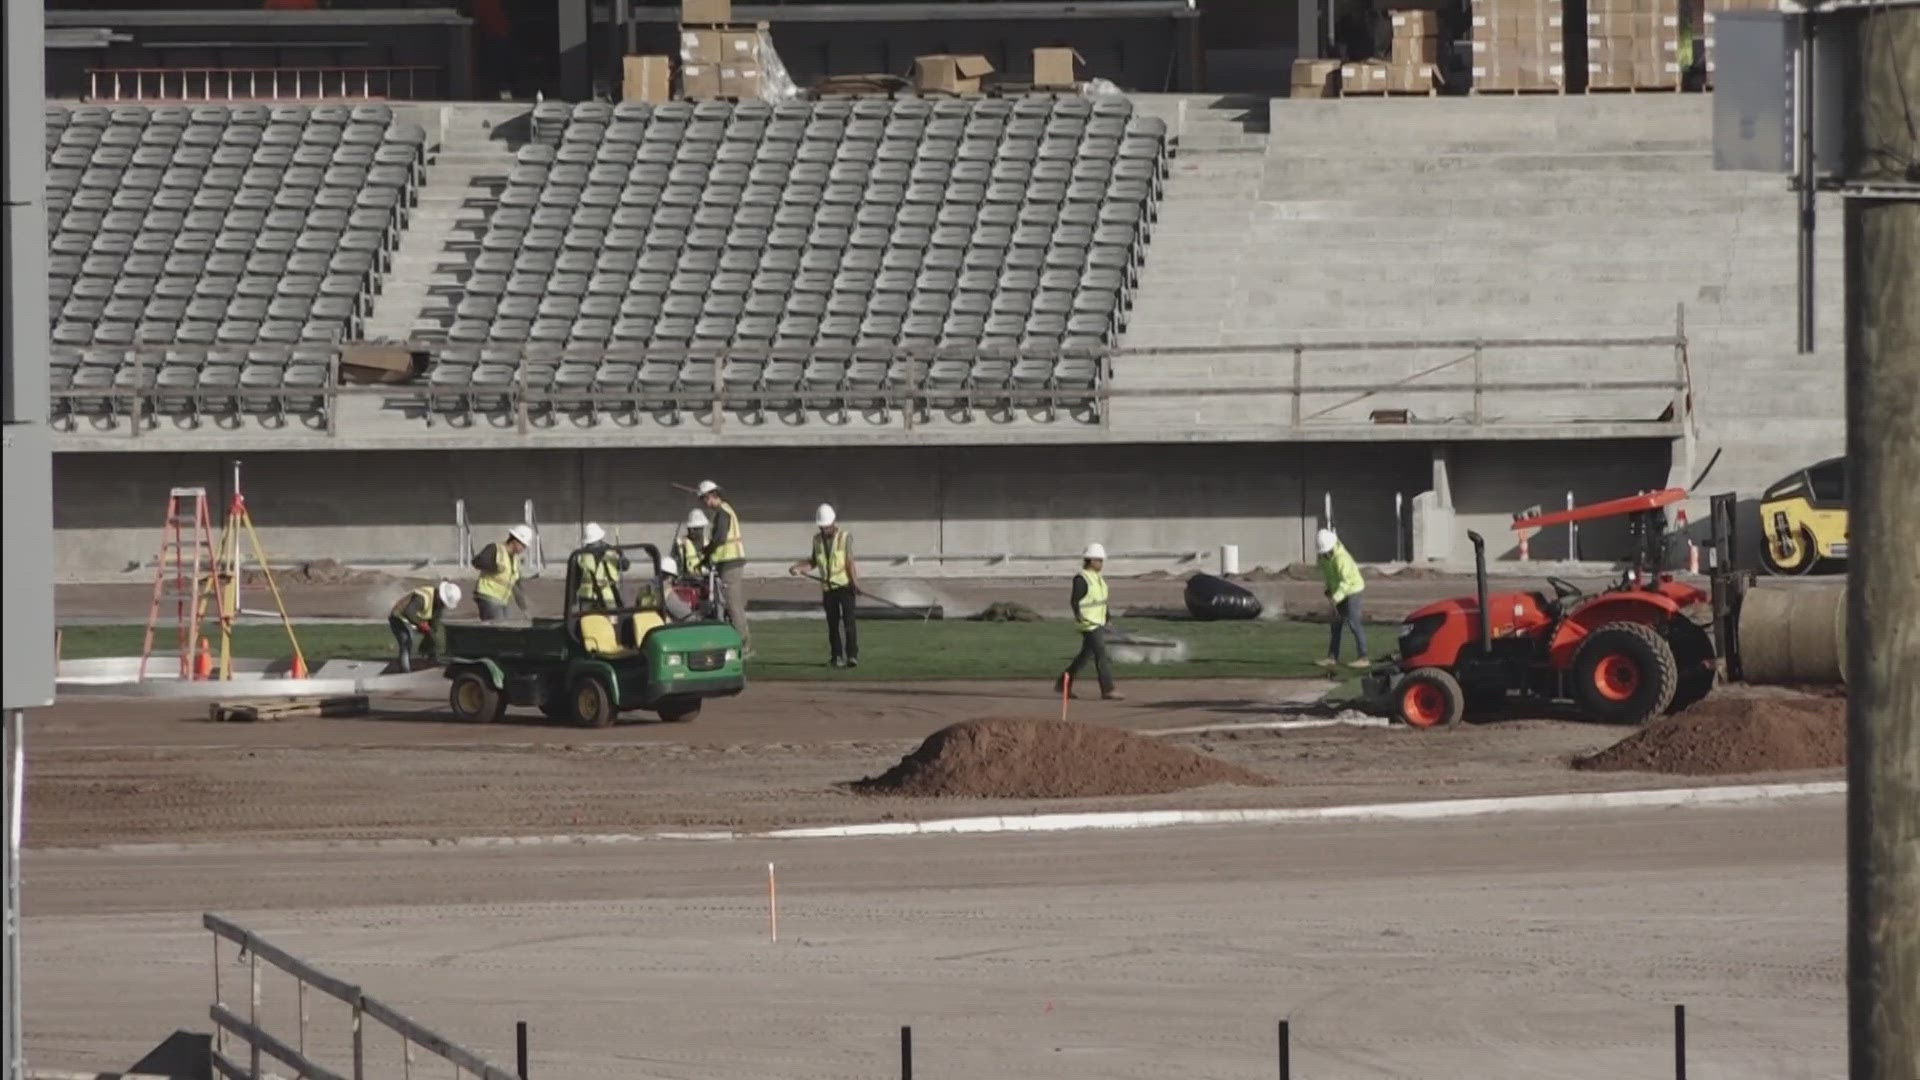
(1315, 78)
(719, 58)
(1412, 66)
(1633, 44)
(1518, 46)
(1715, 7)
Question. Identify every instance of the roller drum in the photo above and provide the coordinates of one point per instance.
(1794, 635)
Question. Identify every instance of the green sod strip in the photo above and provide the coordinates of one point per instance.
(890, 649)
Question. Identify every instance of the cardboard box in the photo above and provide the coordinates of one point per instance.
(741, 80)
(952, 73)
(1363, 77)
(1416, 50)
(1415, 24)
(380, 363)
(700, 80)
(1056, 69)
(713, 45)
(706, 12)
(1411, 78)
(647, 78)
(1316, 78)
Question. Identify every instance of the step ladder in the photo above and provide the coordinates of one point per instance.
(187, 562)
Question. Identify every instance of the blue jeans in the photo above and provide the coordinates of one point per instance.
(1346, 616)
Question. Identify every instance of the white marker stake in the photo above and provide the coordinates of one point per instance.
(773, 906)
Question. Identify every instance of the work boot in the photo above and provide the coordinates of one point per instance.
(1060, 683)
(1327, 661)
(836, 662)
(1112, 695)
(853, 661)
(1362, 663)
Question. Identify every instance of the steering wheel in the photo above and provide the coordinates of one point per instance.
(1563, 589)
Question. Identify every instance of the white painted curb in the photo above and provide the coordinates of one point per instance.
(1434, 810)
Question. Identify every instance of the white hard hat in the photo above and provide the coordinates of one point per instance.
(696, 519)
(449, 594)
(1324, 541)
(824, 516)
(707, 487)
(522, 533)
(669, 565)
(1095, 550)
(592, 533)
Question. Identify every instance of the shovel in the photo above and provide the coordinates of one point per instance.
(926, 613)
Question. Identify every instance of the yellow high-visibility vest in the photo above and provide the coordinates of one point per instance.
(1341, 574)
(830, 560)
(599, 576)
(499, 584)
(734, 547)
(426, 593)
(1093, 607)
(693, 562)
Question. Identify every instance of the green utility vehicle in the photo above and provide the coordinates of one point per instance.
(593, 663)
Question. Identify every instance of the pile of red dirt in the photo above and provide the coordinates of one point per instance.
(1728, 734)
(1048, 759)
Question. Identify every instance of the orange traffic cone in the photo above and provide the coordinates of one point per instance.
(203, 660)
(299, 666)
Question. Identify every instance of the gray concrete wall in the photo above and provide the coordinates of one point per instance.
(1150, 504)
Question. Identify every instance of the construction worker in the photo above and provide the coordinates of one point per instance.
(1343, 588)
(596, 571)
(422, 609)
(499, 566)
(832, 566)
(726, 552)
(1089, 599)
(689, 551)
(670, 603)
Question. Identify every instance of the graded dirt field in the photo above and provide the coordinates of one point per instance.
(106, 772)
(1539, 945)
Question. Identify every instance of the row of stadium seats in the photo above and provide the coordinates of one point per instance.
(208, 224)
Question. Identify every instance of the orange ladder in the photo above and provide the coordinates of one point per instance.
(187, 562)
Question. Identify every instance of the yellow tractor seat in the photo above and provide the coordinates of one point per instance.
(640, 624)
(599, 636)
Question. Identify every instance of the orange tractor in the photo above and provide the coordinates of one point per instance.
(1640, 648)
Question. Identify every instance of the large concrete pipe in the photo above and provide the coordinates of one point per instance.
(1794, 635)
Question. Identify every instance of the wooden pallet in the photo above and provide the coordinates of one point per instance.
(1663, 89)
(1431, 92)
(253, 712)
(1517, 92)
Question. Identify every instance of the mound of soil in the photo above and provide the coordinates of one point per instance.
(1048, 759)
(1727, 734)
(315, 572)
(1007, 611)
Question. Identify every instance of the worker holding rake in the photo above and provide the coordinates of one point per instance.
(831, 564)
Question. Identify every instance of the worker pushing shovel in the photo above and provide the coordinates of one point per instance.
(1343, 588)
(832, 565)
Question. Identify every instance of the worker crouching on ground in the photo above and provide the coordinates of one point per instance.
(1089, 600)
(832, 566)
(499, 566)
(424, 610)
(1344, 586)
(597, 569)
(726, 553)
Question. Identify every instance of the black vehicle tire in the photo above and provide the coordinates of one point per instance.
(679, 710)
(1692, 644)
(557, 709)
(1805, 557)
(1624, 673)
(475, 700)
(592, 702)
(1429, 697)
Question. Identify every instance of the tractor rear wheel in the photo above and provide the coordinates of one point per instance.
(475, 700)
(1429, 697)
(1624, 673)
(593, 702)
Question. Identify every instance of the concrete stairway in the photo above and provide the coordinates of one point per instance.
(477, 145)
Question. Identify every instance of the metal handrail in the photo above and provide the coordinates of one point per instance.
(349, 83)
(249, 1031)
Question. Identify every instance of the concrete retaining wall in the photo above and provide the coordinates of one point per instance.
(1157, 503)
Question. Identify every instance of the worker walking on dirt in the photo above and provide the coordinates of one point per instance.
(424, 610)
(832, 566)
(1089, 599)
(499, 566)
(1343, 587)
(726, 553)
(596, 570)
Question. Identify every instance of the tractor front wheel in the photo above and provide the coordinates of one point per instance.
(1624, 673)
(679, 710)
(593, 702)
(1429, 697)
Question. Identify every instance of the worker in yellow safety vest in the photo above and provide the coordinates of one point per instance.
(424, 610)
(726, 553)
(1089, 600)
(499, 566)
(832, 566)
(689, 552)
(1343, 588)
(596, 571)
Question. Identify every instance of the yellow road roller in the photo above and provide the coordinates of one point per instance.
(1803, 519)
